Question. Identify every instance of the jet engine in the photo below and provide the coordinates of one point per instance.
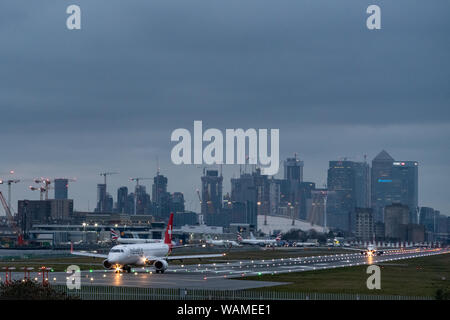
(107, 264)
(160, 265)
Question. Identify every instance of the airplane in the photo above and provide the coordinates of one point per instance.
(115, 236)
(124, 256)
(225, 243)
(370, 251)
(261, 242)
(306, 244)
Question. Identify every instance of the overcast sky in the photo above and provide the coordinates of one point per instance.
(107, 97)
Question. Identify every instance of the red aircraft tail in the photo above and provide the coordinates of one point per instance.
(168, 234)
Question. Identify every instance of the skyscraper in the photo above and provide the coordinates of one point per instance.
(109, 203)
(405, 182)
(348, 186)
(341, 180)
(262, 188)
(304, 199)
(104, 200)
(142, 200)
(177, 202)
(381, 184)
(428, 219)
(362, 184)
(394, 182)
(365, 229)
(244, 198)
(211, 196)
(318, 206)
(290, 187)
(159, 188)
(61, 189)
(122, 196)
(293, 169)
(396, 220)
(274, 195)
(101, 198)
(160, 196)
(130, 204)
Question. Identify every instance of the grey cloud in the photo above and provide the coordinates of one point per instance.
(108, 96)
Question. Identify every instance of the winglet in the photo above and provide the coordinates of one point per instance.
(71, 247)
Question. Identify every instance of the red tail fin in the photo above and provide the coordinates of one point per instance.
(168, 235)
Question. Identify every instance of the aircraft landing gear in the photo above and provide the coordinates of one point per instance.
(127, 269)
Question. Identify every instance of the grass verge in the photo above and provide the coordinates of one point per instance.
(410, 277)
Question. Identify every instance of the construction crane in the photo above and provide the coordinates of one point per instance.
(9, 182)
(11, 220)
(137, 179)
(45, 186)
(10, 172)
(46, 182)
(41, 191)
(200, 216)
(209, 203)
(104, 174)
(199, 197)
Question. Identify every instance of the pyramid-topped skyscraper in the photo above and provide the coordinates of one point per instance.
(383, 156)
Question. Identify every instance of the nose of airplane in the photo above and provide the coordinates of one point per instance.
(113, 257)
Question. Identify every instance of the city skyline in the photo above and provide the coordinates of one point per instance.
(191, 200)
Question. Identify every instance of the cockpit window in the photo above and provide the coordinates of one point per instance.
(116, 250)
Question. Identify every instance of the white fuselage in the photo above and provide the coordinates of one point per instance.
(307, 244)
(258, 241)
(137, 240)
(225, 243)
(136, 254)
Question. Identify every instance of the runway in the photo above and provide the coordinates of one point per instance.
(222, 275)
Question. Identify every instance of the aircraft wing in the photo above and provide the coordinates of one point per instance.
(365, 249)
(197, 256)
(353, 249)
(89, 254)
(186, 245)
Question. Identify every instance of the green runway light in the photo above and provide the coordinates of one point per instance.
(90, 270)
(259, 273)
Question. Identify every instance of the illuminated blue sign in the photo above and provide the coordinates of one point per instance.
(384, 180)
